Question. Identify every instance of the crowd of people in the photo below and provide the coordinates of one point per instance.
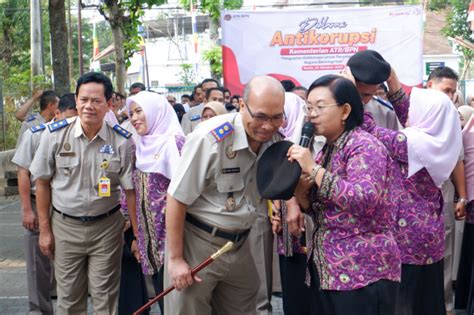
(119, 189)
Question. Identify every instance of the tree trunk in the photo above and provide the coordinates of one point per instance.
(59, 46)
(214, 30)
(116, 23)
(467, 65)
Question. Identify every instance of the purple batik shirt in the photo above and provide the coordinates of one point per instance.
(419, 228)
(353, 243)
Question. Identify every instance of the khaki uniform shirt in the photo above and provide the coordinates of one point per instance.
(192, 118)
(31, 121)
(383, 116)
(26, 149)
(72, 162)
(211, 170)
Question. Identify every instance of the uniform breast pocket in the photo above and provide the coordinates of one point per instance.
(231, 188)
(113, 169)
(67, 165)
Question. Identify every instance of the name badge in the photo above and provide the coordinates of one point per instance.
(67, 154)
(104, 186)
(231, 170)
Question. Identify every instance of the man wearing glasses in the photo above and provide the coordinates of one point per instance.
(213, 198)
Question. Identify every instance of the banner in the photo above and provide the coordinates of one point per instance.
(303, 45)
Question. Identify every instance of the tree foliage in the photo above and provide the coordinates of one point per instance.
(213, 7)
(214, 56)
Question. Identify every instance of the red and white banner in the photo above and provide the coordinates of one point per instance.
(303, 45)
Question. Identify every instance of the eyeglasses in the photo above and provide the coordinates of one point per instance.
(318, 109)
(261, 118)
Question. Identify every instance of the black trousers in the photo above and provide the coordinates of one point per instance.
(158, 286)
(133, 293)
(464, 297)
(296, 294)
(378, 298)
(421, 290)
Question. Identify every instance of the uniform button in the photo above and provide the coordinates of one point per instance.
(231, 187)
(250, 180)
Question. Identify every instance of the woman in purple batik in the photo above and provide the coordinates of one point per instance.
(354, 261)
(158, 146)
(426, 152)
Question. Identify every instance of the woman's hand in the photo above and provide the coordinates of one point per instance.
(302, 156)
(276, 220)
(134, 250)
(347, 73)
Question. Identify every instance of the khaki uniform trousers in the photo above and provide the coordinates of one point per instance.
(87, 259)
(229, 284)
(38, 270)
(261, 246)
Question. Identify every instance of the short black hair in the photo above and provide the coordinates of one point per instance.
(138, 85)
(443, 73)
(186, 96)
(288, 85)
(67, 101)
(96, 77)
(226, 90)
(208, 92)
(46, 98)
(210, 80)
(343, 91)
(299, 88)
(119, 95)
(236, 96)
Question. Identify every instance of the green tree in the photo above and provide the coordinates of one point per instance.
(186, 74)
(456, 26)
(214, 56)
(124, 19)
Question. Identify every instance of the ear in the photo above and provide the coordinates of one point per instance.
(346, 111)
(429, 84)
(109, 103)
(241, 104)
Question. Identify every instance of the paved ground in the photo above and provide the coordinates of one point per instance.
(13, 291)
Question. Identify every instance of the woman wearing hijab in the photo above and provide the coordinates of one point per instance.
(354, 262)
(212, 109)
(465, 112)
(426, 152)
(158, 146)
(464, 295)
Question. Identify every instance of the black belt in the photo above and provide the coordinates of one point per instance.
(89, 218)
(214, 231)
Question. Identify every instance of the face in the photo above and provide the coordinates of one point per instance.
(461, 118)
(207, 114)
(326, 116)
(138, 119)
(91, 104)
(171, 99)
(227, 97)
(235, 102)
(300, 93)
(199, 95)
(184, 100)
(366, 91)
(445, 85)
(216, 96)
(262, 116)
(381, 93)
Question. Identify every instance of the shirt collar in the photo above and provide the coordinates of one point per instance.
(240, 135)
(78, 131)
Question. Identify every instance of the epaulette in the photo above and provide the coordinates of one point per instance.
(383, 102)
(122, 131)
(30, 118)
(195, 117)
(38, 128)
(55, 126)
(221, 132)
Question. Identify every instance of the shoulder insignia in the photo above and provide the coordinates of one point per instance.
(55, 126)
(30, 118)
(38, 128)
(383, 102)
(195, 117)
(221, 132)
(122, 131)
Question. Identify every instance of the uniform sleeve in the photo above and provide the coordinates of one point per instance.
(198, 161)
(24, 127)
(127, 151)
(186, 123)
(25, 151)
(365, 182)
(43, 164)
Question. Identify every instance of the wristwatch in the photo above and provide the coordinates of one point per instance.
(463, 201)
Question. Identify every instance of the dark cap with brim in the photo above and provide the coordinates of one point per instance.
(369, 67)
(276, 176)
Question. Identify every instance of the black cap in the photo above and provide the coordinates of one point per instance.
(276, 176)
(369, 67)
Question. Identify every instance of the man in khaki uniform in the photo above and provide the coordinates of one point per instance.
(213, 198)
(81, 163)
(48, 107)
(193, 116)
(38, 266)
